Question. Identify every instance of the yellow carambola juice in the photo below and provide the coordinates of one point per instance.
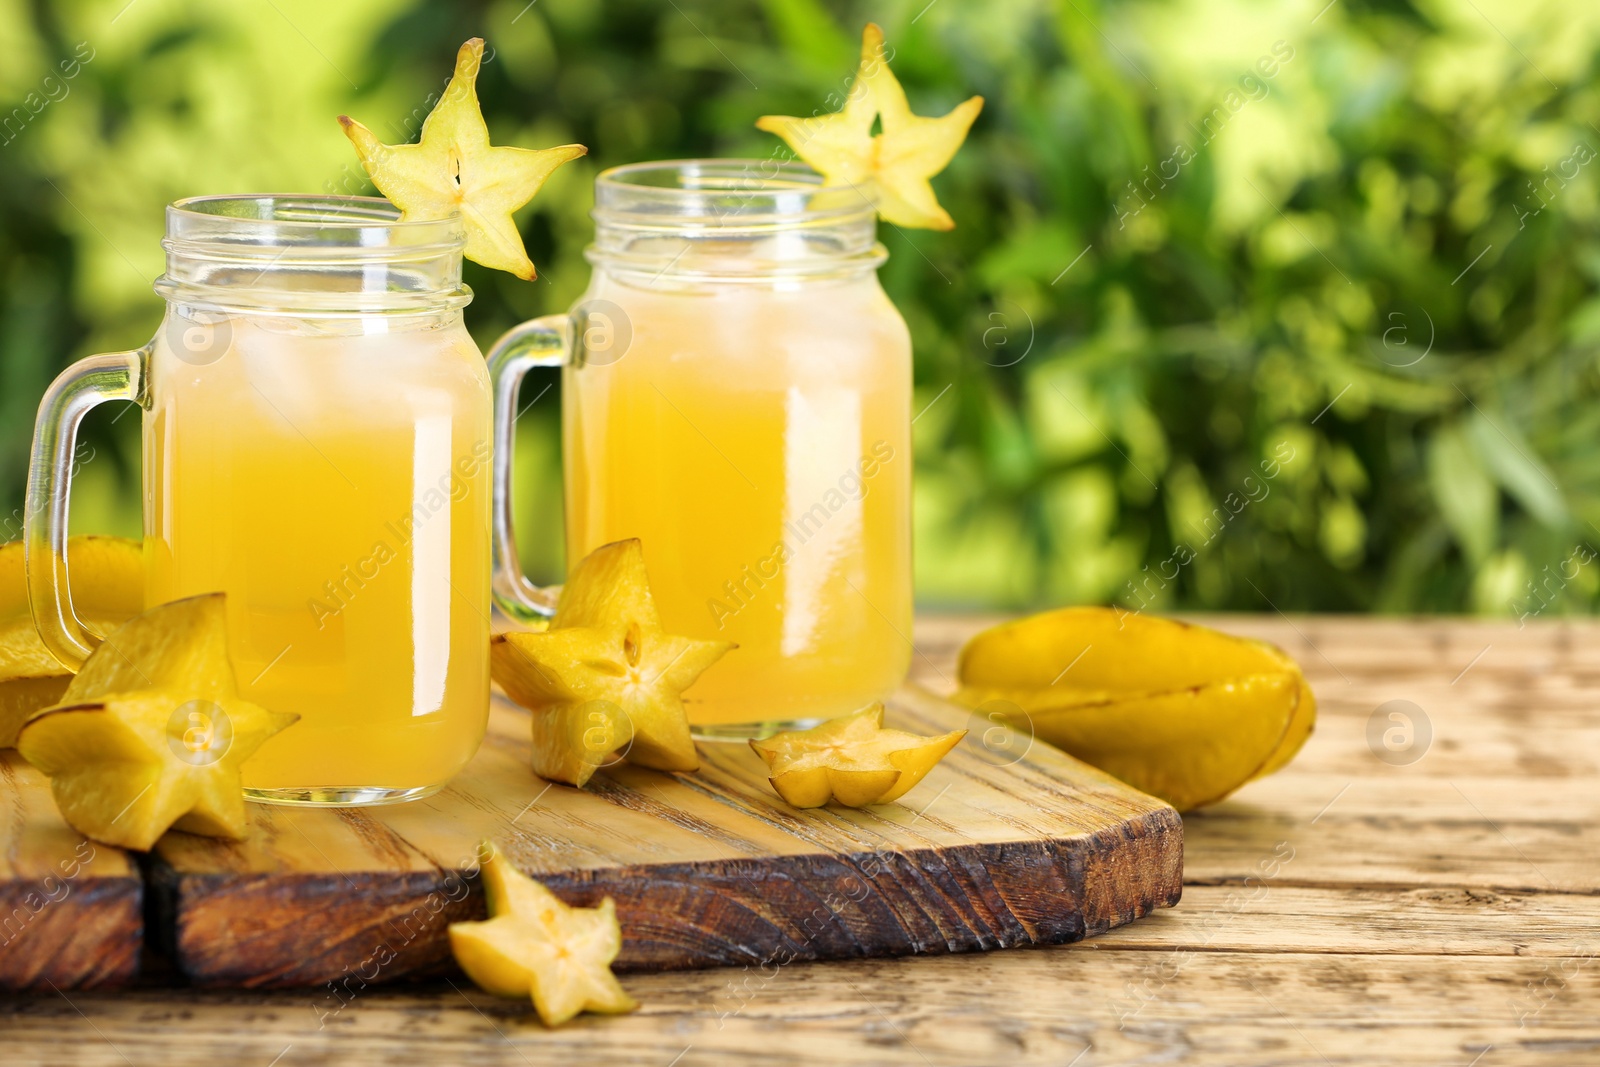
(334, 482)
(756, 438)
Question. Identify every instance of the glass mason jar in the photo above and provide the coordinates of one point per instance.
(736, 392)
(317, 435)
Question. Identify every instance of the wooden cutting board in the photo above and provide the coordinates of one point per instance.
(71, 909)
(1004, 844)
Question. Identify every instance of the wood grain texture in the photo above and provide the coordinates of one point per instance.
(1405, 928)
(71, 910)
(998, 848)
(1053, 1006)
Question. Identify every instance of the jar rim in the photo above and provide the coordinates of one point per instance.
(731, 220)
(732, 193)
(312, 252)
(307, 220)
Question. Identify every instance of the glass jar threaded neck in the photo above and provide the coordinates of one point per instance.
(312, 255)
(734, 220)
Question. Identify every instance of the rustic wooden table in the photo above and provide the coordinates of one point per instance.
(1427, 897)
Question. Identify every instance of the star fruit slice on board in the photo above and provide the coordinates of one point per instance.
(151, 732)
(852, 761)
(605, 675)
(899, 160)
(106, 575)
(453, 168)
(534, 945)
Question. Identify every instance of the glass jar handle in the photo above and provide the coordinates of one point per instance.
(542, 342)
(87, 383)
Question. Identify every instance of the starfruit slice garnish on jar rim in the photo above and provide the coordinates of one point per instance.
(851, 760)
(151, 732)
(898, 161)
(106, 576)
(605, 675)
(535, 945)
(1183, 712)
(453, 168)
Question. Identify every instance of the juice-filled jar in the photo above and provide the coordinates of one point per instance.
(736, 393)
(317, 445)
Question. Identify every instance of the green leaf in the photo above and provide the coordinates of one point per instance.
(1464, 491)
(1515, 466)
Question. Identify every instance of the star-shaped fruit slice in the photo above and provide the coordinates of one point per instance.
(453, 168)
(852, 761)
(899, 160)
(534, 945)
(151, 732)
(604, 676)
(107, 580)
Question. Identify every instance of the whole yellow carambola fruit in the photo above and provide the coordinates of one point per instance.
(107, 580)
(1183, 712)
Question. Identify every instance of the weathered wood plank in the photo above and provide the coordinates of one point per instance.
(1404, 831)
(71, 910)
(1037, 1007)
(993, 850)
(1269, 917)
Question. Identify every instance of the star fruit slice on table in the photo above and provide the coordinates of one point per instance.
(604, 676)
(899, 160)
(453, 168)
(151, 732)
(534, 945)
(852, 761)
(106, 575)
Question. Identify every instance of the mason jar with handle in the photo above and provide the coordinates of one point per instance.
(736, 393)
(317, 445)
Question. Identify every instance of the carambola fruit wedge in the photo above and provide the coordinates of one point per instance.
(1183, 712)
(534, 945)
(151, 733)
(453, 168)
(851, 760)
(605, 676)
(894, 166)
(107, 582)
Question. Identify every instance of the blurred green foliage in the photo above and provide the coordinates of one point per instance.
(1248, 304)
